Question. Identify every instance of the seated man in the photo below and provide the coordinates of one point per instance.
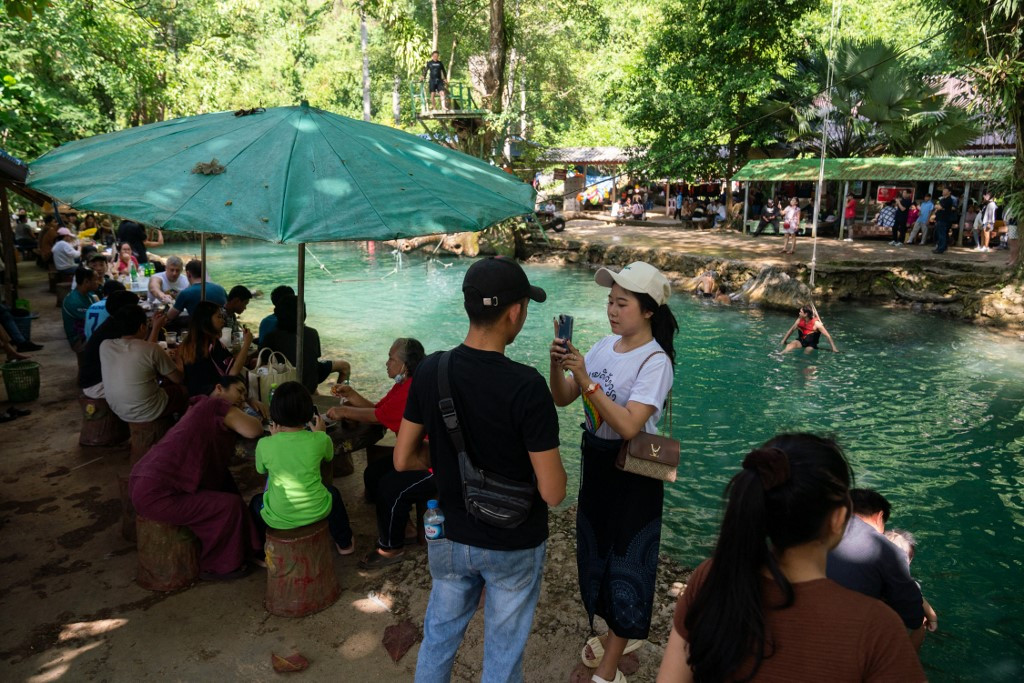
(769, 216)
(284, 339)
(165, 286)
(10, 327)
(90, 376)
(238, 300)
(131, 367)
(100, 265)
(65, 254)
(76, 304)
(98, 313)
(187, 300)
(269, 324)
(865, 561)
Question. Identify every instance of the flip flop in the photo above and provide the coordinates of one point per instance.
(619, 678)
(597, 649)
(375, 560)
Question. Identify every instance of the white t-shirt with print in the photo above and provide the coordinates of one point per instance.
(617, 374)
(168, 287)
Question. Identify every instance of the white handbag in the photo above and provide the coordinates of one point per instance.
(272, 368)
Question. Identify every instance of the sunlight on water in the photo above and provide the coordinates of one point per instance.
(930, 412)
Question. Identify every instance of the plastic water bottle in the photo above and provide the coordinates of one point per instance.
(433, 521)
(270, 398)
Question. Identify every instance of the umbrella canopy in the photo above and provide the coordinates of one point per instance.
(288, 175)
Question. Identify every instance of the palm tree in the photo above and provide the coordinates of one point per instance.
(879, 105)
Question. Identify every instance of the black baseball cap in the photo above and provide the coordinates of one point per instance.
(497, 281)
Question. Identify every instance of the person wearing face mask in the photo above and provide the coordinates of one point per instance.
(394, 493)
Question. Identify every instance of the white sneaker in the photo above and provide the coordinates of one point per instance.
(892, 243)
(899, 244)
(979, 248)
(848, 239)
(984, 249)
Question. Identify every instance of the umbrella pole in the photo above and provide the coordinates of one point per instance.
(300, 332)
(202, 260)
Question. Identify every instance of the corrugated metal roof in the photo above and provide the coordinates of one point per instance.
(880, 168)
(585, 155)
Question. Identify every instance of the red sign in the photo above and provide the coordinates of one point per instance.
(887, 193)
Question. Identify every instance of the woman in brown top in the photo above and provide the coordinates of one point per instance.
(761, 609)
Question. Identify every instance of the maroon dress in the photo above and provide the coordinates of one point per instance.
(184, 480)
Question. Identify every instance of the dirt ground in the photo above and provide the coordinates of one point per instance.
(662, 232)
(72, 610)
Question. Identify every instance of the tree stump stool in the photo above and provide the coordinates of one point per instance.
(146, 434)
(168, 556)
(62, 289)
(128, 519)
(300, 571)
(100, 425)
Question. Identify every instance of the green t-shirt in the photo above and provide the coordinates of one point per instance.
(295, 494)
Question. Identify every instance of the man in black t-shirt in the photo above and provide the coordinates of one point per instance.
(437, 81)
(769, 216)
(899, 228)
(945, 214)
(507, 418)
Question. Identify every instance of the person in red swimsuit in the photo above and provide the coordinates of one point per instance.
(809, 330)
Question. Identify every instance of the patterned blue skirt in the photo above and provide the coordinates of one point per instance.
(618, 533)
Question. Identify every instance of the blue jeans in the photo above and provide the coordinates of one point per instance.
(459, 573)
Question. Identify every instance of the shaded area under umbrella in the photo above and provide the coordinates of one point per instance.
(289, 175)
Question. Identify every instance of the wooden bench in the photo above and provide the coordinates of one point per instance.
(168, 556)
(300, 571)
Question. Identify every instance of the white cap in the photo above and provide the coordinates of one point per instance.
(637, 277)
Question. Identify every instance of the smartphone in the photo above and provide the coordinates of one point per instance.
(565, 327)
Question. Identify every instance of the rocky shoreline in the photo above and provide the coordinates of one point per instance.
(981, 294)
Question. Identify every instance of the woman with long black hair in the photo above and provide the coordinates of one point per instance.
(204, 356)
(624, 379)
(762, 608)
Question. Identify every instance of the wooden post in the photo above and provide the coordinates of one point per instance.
(842, 218)
(202, 258)
(300, 331)
(10, 267)
(963, 214)
(668, 210)
(867, 200)
(746, 207)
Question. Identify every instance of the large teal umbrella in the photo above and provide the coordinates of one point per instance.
(289, 175)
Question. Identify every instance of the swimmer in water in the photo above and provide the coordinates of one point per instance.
(809, 329)
(707, 287)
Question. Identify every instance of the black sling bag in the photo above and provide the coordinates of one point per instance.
(490, 498)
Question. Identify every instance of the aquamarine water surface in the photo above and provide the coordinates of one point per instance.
(930, 412)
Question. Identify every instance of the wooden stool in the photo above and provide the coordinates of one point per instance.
(300, 571)
(168, 556)
(129, 521)
(100, 425)
(62, 289)
(146, 434)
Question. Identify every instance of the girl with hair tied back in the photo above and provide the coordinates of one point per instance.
(761, 609)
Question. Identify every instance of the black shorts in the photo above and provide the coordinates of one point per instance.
(705, 295)
(811, 340)
(323, 368)
(435, 86)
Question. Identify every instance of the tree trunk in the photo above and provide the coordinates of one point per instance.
(396, 101)
(364, 42)
(434, 25)
(494, 76)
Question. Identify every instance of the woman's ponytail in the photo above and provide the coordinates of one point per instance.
(663, 324)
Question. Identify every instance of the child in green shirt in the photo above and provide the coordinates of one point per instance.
(290, 457)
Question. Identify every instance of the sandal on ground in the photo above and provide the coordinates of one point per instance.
(374, 560)
(18, 412)
(346, 551)
(619, 678)
(597, 650)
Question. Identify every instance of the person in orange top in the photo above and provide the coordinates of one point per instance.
(809, 330)
(762, 609)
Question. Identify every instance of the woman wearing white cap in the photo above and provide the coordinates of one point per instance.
(624, 380)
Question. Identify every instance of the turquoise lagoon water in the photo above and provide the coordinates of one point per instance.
(930, 412)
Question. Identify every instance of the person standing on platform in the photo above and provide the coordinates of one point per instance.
(921, 224)
(437, 80)
(508, 420)
(899, 228)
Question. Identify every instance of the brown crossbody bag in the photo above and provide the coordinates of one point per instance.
(651, 455)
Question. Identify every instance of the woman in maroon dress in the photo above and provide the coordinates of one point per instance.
(184, 480)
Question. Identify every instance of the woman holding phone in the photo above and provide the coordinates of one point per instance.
(624, 379)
